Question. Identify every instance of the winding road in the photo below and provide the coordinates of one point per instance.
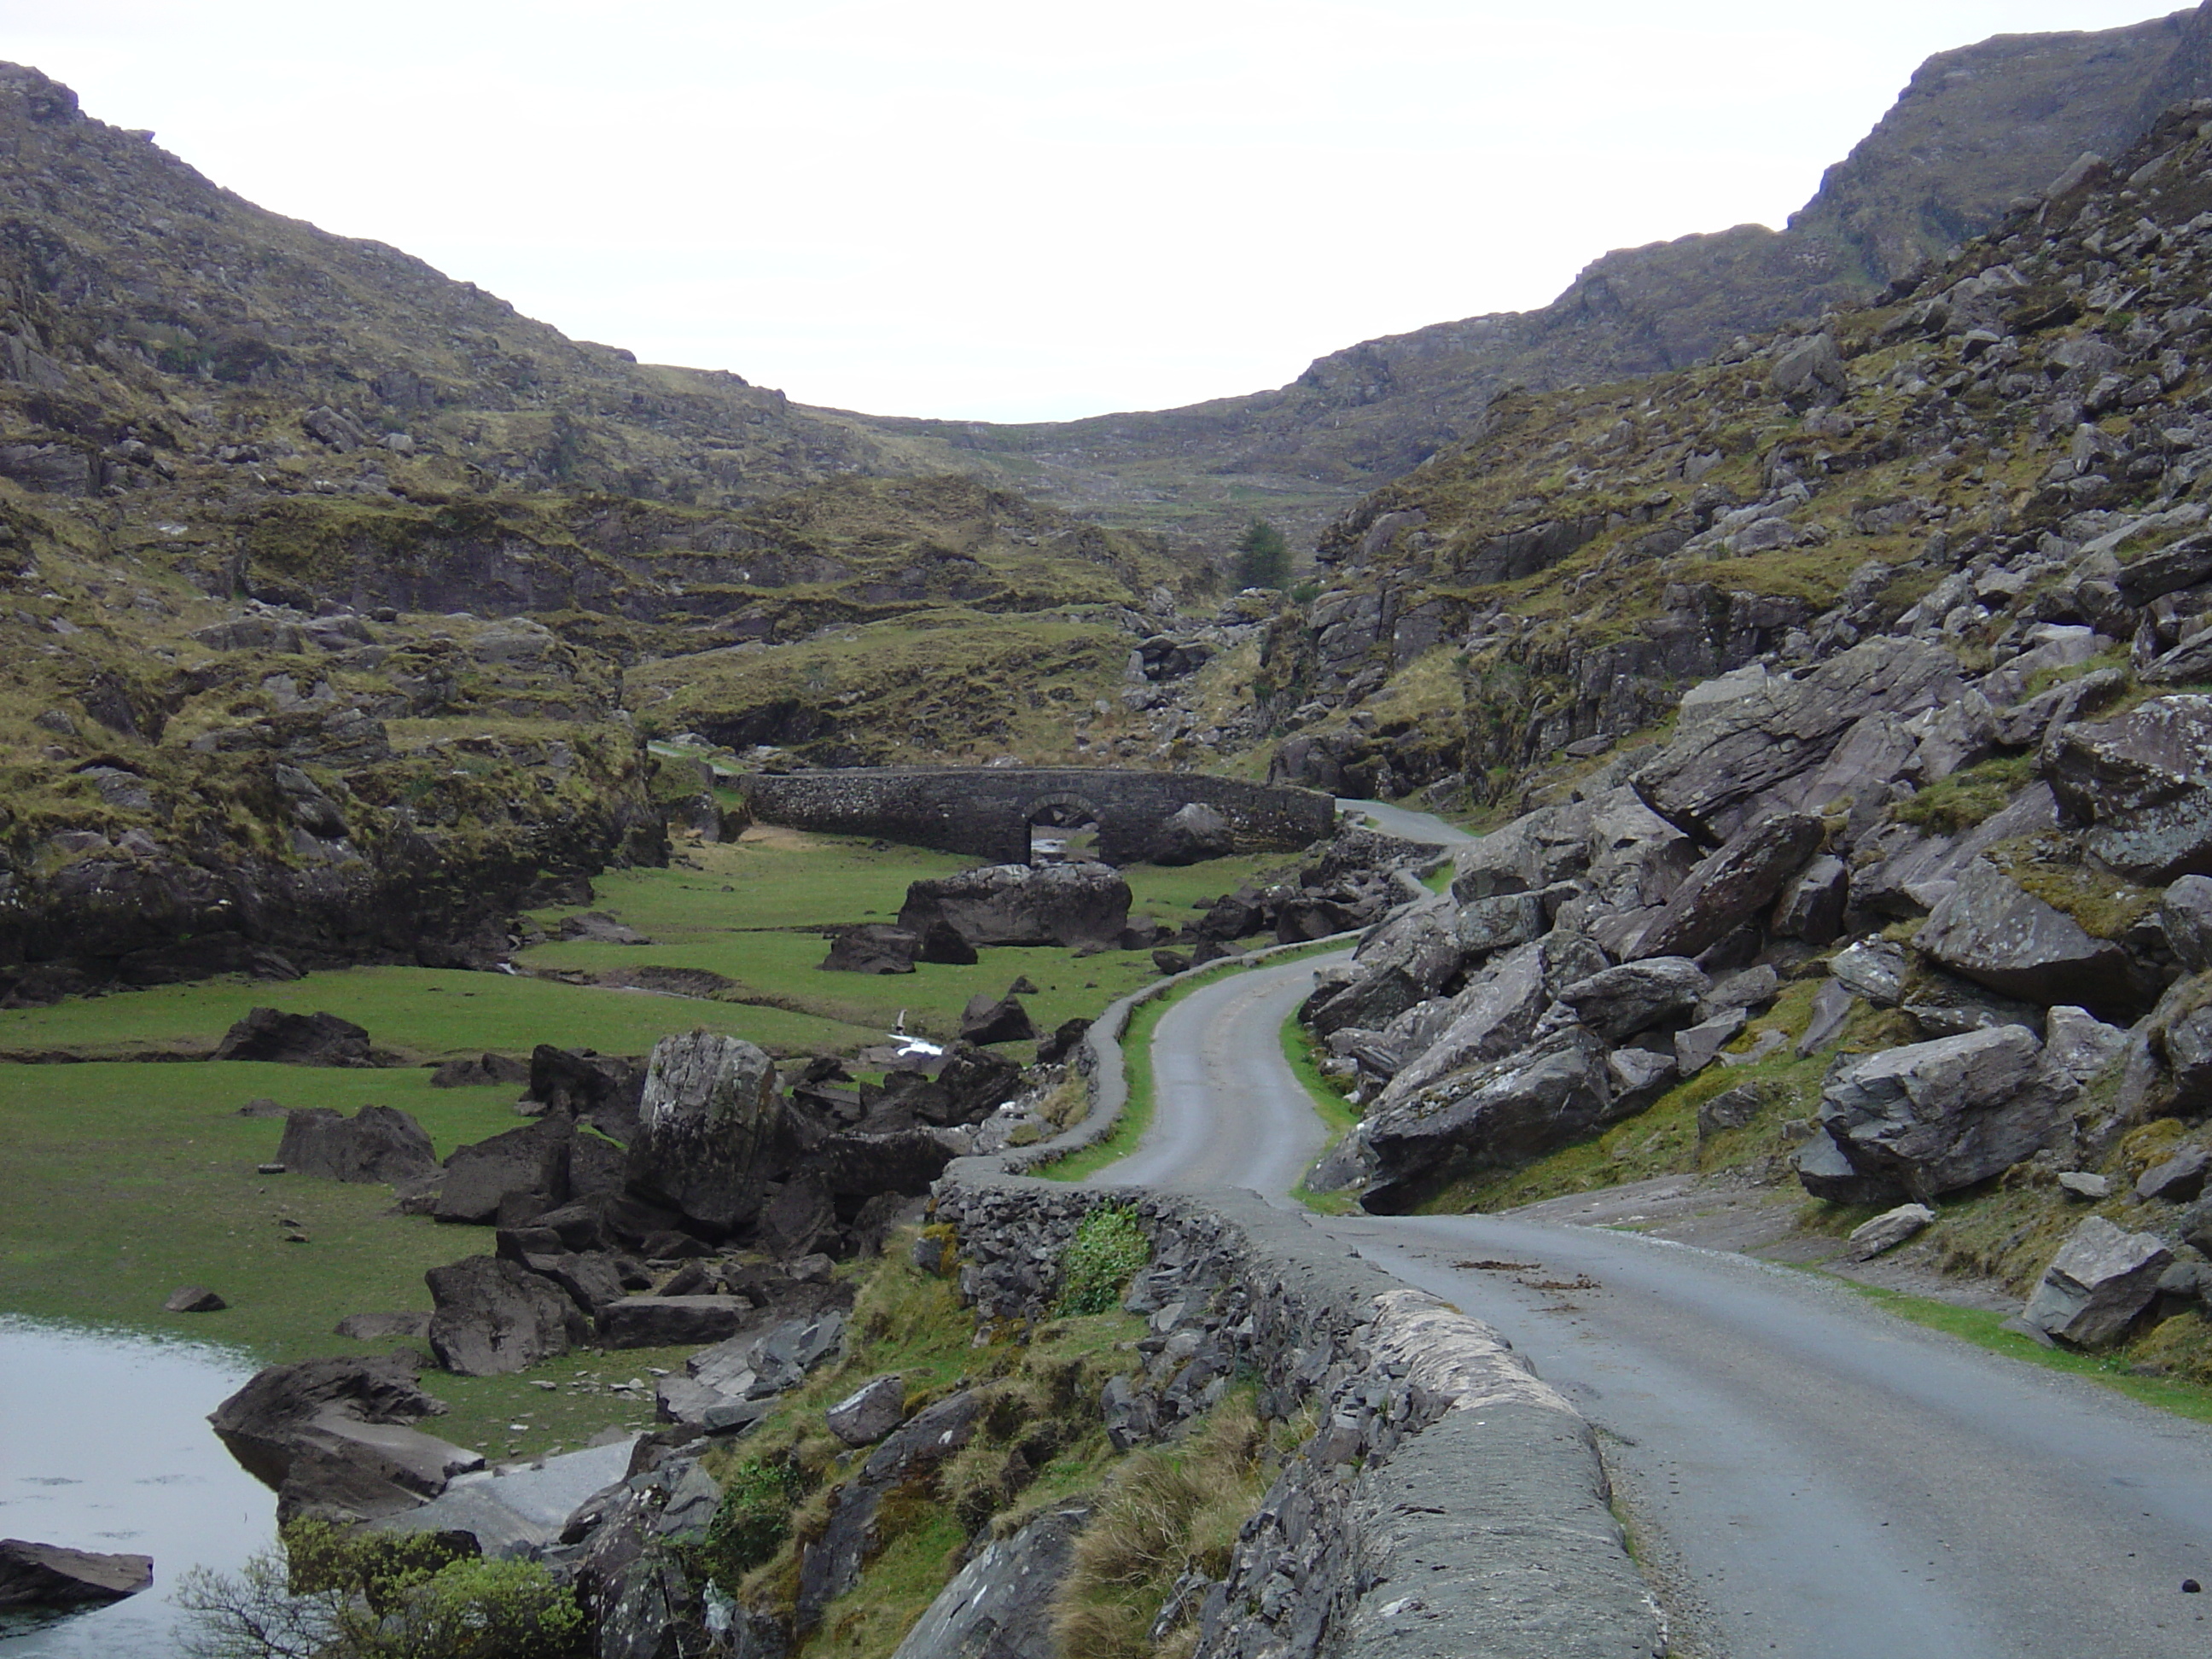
(1806, 1476)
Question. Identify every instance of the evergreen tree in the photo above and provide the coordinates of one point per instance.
(1263, 556)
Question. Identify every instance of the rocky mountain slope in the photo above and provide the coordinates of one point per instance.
(1860, 684)
(320, 575)
(1976, 128)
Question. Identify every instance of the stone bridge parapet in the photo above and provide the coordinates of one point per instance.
(986, 812)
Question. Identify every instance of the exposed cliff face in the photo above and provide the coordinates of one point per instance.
(1976, 128)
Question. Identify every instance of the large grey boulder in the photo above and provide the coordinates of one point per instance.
(376, 1144)
(1000, 1605)
(1995, 932)
(1421, 942)
(491, 1176)
(2100, 1281)
(495, 1316)
(1074, 905)
(1756, 744)
(1825, 1170)
(707, 1119)
(1621, 1001)
(1811, 906)
(1937, 1117)
(1491, 1116)
(1536, 851)
(2078, 1044)
(1872, 971)
(49, 1576)
(2141, 783)
(1734, 885)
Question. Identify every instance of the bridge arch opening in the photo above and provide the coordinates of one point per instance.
(1063, 830)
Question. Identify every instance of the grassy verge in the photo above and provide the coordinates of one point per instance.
(1303, 1054)
(1984, 1329)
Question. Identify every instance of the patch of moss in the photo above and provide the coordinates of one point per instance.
(1970, 796)
(2053, 868)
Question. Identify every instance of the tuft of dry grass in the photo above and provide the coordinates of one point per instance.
(1163, 1514)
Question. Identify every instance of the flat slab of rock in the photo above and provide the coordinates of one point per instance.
(1889, 1229)
(869, 1411)
(194, 1298)
(2102, 1278)
(663, 1321)
(508, 1511)
(48, 1576)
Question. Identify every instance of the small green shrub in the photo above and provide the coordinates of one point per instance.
(1108, 1249)
(758, 1497)
(333, 1594)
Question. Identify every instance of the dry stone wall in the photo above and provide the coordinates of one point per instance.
(1448, 1502)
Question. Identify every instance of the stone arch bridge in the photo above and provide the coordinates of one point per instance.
(986, 812)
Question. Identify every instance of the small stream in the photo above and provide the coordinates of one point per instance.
(104, 1445)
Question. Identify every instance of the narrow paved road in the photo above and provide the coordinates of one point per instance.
(1814, 1478)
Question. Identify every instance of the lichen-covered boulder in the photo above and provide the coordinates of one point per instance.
(709, 1118)
(2098, 1283)
(2142, 784)
(1621, 1001)
(1937, 1117)
(1993, 931)
(1489, 1116)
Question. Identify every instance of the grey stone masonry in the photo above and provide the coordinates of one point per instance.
(986, 812)
(1448, 1501)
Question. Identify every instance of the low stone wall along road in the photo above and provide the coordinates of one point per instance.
(1812, 1478)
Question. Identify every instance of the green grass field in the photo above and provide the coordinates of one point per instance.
(123, 1178)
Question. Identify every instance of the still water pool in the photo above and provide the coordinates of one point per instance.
(104, 1445)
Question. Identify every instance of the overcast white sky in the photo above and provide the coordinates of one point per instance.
(1011, 209)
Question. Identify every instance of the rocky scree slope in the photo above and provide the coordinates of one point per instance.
(1975, 128)
(1922, 890)
(1994, 453)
